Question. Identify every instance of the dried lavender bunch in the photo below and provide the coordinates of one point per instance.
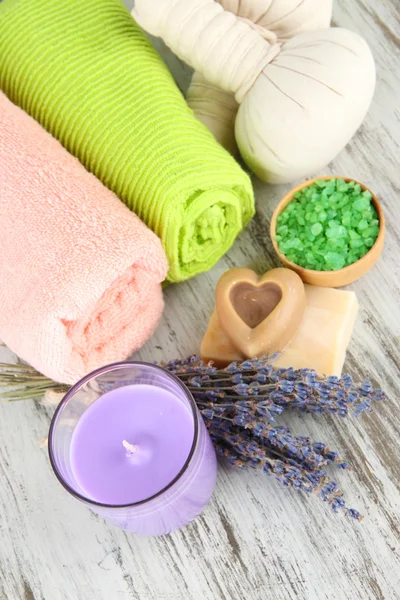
(241, 402)
(254, 389)
(240, 405)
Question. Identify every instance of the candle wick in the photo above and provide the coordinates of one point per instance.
(130, 448)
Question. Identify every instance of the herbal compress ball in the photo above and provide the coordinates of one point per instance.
(292, 96)
(328, 226)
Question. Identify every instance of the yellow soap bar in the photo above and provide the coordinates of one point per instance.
(320, 343)
(217, 346)
(323, 337)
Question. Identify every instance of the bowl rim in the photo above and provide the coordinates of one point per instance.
(289, 197)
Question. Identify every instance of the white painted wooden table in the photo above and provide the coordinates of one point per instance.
(255, 540)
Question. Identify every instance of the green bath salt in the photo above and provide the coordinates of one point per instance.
(328, 225)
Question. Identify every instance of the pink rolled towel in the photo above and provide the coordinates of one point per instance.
(80, 274)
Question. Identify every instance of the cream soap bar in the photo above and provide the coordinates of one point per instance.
(320, 343)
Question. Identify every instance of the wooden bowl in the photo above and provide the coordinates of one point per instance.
(342, 276)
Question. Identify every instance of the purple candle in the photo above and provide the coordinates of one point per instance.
(128, 441)
(111, 469)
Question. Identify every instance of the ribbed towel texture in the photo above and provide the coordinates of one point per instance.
(86, 72)
(80, 275)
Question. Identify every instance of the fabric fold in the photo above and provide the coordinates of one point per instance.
(80, 275)
(88, 74)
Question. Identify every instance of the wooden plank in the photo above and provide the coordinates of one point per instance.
(255, 540)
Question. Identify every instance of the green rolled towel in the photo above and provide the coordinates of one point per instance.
(86, 72)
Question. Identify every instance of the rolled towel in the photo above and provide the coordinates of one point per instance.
(80, 274)
(274, 20)
(87, 73)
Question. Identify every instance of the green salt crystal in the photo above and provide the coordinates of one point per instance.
(332, 232)
(310, 258)
(336, 197)
(341, 185)
(332, 244)
(369, 242)
(322, 216)
(361, 204)
(301, 220)
(334, 260)
(356, 243)
(333, 223)
(357, 188)
(321, 183)
(283, 218)
(368, 232)
(317, 228)
(283, 229)
(363, 224)
(367, 214)
(367, 194)
(325, 203)
(346, 220)
(296, 243)
(376, 229)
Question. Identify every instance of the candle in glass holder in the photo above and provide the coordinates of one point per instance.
(128, 441)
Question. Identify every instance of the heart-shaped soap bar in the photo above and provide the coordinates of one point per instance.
(260, 315)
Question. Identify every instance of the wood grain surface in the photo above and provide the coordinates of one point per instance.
(255, 540)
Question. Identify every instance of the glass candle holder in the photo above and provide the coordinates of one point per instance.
(165, 432)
